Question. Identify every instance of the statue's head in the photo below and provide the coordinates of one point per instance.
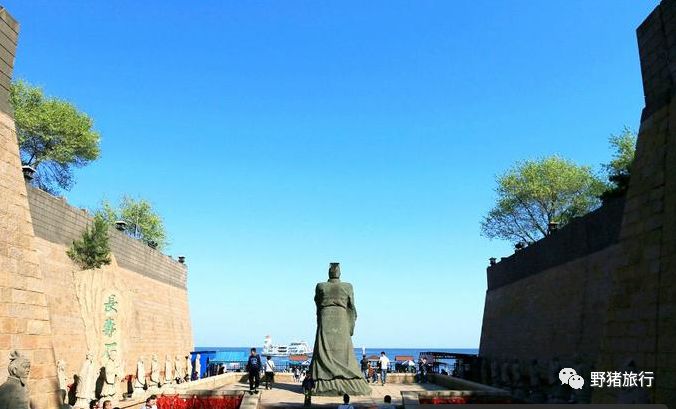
(154, 357)
(334, 270)
(19, 367)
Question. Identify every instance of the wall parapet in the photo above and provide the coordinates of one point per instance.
(583, 236)
(58, 222)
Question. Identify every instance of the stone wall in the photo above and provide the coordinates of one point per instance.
(52, 310)
(558, 312)
(56, 221)
(24, 315)
(617, 304)
(149, 287)
(583, 236)
(641, 320)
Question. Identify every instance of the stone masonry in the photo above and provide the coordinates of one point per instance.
(622, 298)
(641, 319)
(52, 310)
(24, 315)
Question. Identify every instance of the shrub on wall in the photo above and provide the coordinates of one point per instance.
(92, 250)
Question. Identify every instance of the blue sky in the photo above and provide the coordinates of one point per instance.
(276, 137)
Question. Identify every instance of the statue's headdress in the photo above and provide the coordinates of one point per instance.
(334, 270)
(16, 360)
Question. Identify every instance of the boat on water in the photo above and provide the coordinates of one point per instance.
(294, 348)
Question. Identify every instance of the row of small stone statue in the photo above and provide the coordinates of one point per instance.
(534, 382)
(91, 383)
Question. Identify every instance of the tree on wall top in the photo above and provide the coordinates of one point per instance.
(54, 137)
(535, 193)
(619, 168)
(142, 221)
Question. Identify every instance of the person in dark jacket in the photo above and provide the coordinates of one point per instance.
(308, 386)
(365, 367)
(253, 367)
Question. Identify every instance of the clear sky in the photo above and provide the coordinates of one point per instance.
(275, 137)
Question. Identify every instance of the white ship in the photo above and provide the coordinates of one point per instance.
(294, 348)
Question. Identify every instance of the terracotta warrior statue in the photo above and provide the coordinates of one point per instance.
(86, 383)
(188, 368)
(13, 393)
(140, 381)
(179, 371)
(154, 372)
(334, 367)
(168, 370)
(198, 366)
(112, 376)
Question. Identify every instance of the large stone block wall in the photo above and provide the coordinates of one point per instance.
(149, 286)
(56, 221)
(641, 321)
(558, 312)
(52, 310)
(154, 316)
(623, 297)
(24, 314)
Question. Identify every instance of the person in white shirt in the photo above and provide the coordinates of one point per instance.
(346, 403)
(269, 372)
(151, 403)
(384, 363)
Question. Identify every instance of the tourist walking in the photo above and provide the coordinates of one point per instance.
(422, 370)
(384, 363)
(365, 367)
(253, 367)
(269, 372)
(346, 403)
(308, 386)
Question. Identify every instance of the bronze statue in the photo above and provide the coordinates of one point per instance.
(334, 366)
(13, 393)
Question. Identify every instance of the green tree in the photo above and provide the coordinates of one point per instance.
(92, 250)
(54, 137)
(535, 193)
(142, 221)
(619, 168)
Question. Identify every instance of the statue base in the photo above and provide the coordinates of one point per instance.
(341, 386)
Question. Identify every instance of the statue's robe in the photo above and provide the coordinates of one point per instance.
(154, 373)
(334, 367)
(86, 384)
(14, 394)
(110, 379)
(188, 370)
(140, 381)
(168, 371)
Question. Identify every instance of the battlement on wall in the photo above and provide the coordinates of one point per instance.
(581, 237)
(58, 222)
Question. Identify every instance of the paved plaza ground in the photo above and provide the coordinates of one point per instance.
(290, 395)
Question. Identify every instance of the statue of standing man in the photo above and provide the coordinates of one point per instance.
(334, 367)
